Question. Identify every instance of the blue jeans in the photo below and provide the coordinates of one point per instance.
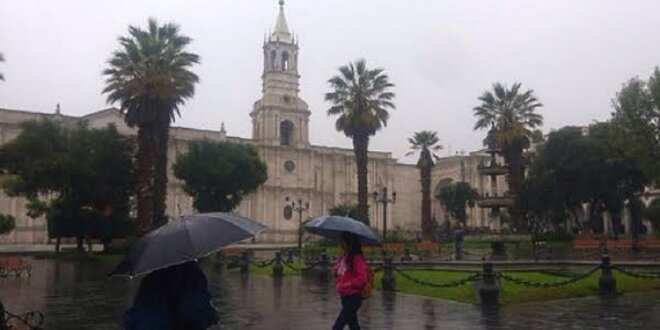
(348, 315)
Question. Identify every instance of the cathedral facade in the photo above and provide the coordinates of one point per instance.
(318, 176)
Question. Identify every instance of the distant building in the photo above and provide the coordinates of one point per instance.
(297, 170)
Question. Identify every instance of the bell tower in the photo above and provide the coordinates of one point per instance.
(280, 117)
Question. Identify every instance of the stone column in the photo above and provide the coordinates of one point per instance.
(607, 223)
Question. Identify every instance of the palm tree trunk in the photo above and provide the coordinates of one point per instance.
(160, 179)
(145, 177)
(515, 177)
(360, 148)
(427, 226)
(425, 167)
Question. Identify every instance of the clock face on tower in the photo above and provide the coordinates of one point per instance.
(289, 166)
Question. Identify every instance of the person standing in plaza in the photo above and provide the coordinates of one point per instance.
(351, 276)
(172, 298)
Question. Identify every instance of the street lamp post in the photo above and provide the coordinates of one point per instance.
(384, 199)
(300, 208)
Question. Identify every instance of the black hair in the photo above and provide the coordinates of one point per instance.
(353, 247)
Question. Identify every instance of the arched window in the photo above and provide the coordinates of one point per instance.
(273, 56)
(288, 212)
(285, 61)
(286, 133)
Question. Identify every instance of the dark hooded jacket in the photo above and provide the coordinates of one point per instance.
(174, 298)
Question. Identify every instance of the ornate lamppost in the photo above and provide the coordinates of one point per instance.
(384, 199)
(300, 208)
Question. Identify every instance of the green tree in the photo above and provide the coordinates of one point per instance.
(218, 175)
(616, 176)
(557, 180)
(425, 142)
(7, 223)
(150, 77)
(573, 168)
(345, 210)
(456, 197)
(361, 98)
(71, 170)
(511, 117)
(636, 122)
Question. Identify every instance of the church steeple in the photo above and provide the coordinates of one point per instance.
(281, 32)
(280, 59)
(281, 117)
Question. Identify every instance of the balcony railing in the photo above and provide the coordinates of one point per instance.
(487, 201)
(498, 169)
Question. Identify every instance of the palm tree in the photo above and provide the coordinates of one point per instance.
(361, 99)
(425, 142)
(150, 77)
(510, 117)
(2, 59)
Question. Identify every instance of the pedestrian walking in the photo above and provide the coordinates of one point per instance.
(351, 276)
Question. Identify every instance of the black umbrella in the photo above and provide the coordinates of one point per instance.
(332, 226)
(185, 239)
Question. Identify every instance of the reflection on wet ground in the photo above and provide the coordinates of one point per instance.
(77, 295)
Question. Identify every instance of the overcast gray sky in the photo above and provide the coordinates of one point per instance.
(441, 55)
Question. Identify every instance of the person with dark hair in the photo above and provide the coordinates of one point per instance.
(173, 298)
(351, 275)
(194, 309)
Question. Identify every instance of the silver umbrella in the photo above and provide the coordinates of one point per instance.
(187, 238)
(333, 227)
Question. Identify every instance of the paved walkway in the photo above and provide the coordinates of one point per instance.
(39, 248)
(78, 295)
(35, 248)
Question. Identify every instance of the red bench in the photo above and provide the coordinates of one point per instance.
(14, 265)
(651, 243)
(393, 247)
(585, 244)
(232, 251)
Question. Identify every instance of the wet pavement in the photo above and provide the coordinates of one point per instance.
(77, 295)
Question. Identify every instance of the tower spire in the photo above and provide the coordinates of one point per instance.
(281, 32)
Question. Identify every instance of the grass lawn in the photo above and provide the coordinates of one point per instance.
(512, 293)
(462, 293)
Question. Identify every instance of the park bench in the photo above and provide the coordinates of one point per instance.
(393, 248)
(231, 251)
(587, 244)
(14, 265)
(619, 243)
(27, 321)
(650, 243)
(427, 248)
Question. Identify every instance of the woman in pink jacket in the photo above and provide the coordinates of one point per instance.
(351, 277)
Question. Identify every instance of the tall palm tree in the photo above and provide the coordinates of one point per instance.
(149, 75)
(425, 142)
(510, 116)
(2, 59)
(361, 98)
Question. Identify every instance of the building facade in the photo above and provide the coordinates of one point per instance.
(322, 176)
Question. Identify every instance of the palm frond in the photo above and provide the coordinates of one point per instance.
(150, 74)
(509, 114)
(361, 97)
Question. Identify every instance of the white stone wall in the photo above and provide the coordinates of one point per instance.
(323, 176)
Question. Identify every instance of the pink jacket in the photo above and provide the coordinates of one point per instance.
(353, 281)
